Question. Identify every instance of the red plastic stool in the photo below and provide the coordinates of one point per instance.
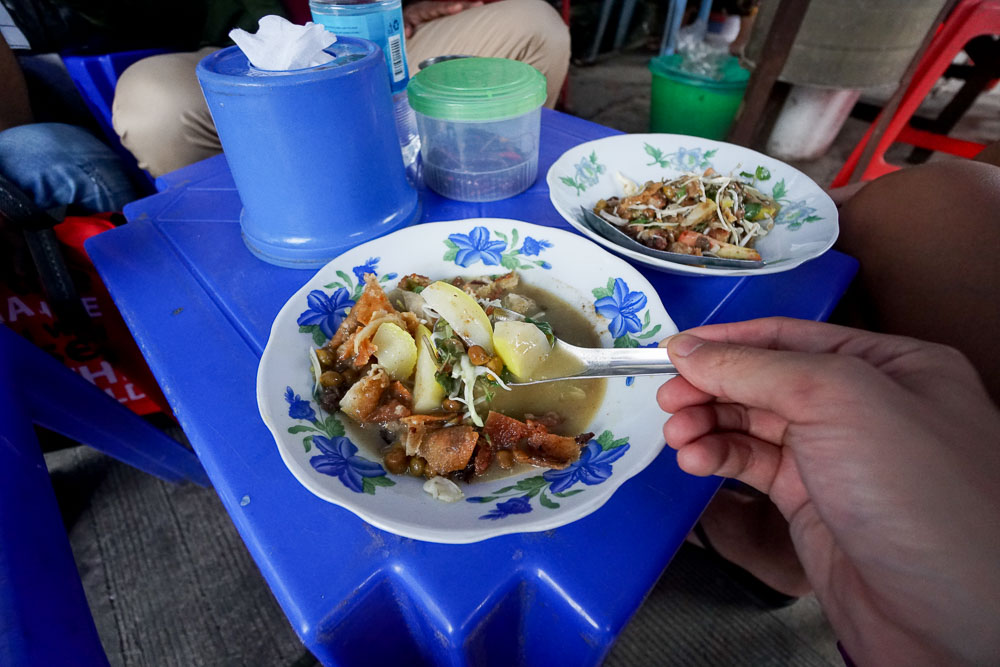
(969, 19)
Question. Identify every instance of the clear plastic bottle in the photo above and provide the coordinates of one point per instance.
(380, 21)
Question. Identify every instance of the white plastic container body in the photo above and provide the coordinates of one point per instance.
(479, 161)
(809, 121)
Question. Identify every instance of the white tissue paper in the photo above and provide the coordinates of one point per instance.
(282, 45)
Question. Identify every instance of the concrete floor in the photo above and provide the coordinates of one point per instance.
(170, 582)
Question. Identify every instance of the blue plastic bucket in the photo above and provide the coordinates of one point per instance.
(313, 152)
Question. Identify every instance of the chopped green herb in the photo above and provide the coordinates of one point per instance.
(763, 173)
(443, 328)
(545, 327)
(485, 387)
(447, 382)
(746, 174)
(418, 289)
(700, 227)
(682, 192)
(751, 211)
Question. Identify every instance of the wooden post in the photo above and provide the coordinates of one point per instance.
(787, 21)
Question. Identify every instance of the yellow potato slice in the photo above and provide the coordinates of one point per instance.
(461, 311)
(521, 346)
(396, 351)
(427, 393)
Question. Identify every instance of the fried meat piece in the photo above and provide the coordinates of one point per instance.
(411, 280)
(550, 450)
(448, 449)
(531, 442)
(560, 448)
(484, 456)
(504, 432)
(488, 288)
(418, 426)
(371, 301)
(364, 396)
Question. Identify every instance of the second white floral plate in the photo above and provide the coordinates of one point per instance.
(806, 226)
(328, 456)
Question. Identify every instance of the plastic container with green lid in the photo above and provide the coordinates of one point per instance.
(686, 103)
(479, 120)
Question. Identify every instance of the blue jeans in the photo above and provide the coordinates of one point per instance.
(60, 165)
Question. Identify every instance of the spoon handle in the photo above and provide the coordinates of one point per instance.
(612, 362)
(609, 362)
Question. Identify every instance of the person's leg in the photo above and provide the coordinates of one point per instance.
(160, 114)
(64, 165)
(926, 238)
(530, 31)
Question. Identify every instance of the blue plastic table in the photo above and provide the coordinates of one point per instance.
(200, 307)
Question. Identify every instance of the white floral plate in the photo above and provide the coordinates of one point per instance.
(322, 451)
(806, 226)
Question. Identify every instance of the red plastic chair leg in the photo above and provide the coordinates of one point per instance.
(969, 19)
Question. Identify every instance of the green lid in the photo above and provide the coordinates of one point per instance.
(477, 89)
(731, 74)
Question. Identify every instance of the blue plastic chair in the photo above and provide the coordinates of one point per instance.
(95, 77)
(44, 617)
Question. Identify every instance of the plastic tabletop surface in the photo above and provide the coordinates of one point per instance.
(200, 307)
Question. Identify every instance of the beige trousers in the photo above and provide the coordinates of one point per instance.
(161, 116)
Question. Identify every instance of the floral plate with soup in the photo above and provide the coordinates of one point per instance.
(801, 224)
(584, 294)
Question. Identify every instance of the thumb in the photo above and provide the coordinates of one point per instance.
(790, 384)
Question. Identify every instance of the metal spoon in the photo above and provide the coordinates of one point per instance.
(586, 362)
(572, 362)
(615, 235)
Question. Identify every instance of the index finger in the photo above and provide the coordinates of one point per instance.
(785, 333)
(798, 386)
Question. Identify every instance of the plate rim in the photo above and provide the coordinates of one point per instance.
(778, 266)
(479, 532)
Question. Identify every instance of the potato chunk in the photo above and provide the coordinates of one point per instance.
(395, 350)
(461, 311)
(521, 346)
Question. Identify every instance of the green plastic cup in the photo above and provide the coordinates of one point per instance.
(685, 103)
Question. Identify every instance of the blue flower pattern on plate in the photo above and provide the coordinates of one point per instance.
(533, 247)
(621, 307)
(795, 214)
(297, 407)
(477, 246)
(339, 459)
(355, 287)
(588, 172)
(371, 266)
(518, 505)
(593, 467)
(684, 159)
(326, 312)
(338, 456)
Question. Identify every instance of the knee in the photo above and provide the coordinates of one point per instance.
(537, 22)
(917, 201)
(155, 92)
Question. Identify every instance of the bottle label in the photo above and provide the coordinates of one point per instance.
(385, 28)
